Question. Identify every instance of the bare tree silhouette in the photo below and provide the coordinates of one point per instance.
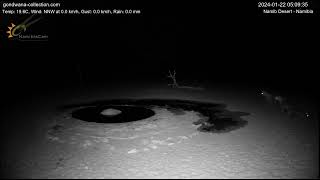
(173, 77)
(175, 84)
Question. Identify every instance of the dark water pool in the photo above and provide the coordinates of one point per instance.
(128, 114)
(214, 117)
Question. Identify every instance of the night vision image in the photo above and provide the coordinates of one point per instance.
(146, 91)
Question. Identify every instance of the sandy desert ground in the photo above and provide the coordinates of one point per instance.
(271, 145)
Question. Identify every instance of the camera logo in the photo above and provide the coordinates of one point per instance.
(18, 32)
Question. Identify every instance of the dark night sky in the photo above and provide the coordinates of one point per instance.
(219, 42)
